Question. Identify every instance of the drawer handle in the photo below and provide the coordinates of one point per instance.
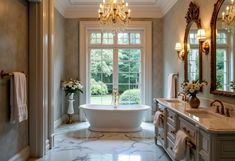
(173, 132)
(185, 129)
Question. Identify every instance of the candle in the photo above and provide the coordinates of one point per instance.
(223, 15)
(232, 1)
(126, 4)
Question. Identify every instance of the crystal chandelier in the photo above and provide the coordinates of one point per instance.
(228, 16)
(114, 15)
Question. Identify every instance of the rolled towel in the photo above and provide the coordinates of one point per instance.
(158, 119)
(180, 145)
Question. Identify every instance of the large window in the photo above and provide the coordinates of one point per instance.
(115, 61)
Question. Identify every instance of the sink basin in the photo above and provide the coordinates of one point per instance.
(173, 101)
(203, 113)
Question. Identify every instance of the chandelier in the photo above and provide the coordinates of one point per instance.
(114, 15)
(228, 16)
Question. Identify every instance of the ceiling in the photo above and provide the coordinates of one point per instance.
(89, 8)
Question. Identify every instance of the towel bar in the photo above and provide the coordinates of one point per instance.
(5, 74)
(190, 144)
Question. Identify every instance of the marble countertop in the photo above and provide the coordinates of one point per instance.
(204, 118)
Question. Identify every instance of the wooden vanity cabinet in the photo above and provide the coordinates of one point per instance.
(172, 126)
(209, 146)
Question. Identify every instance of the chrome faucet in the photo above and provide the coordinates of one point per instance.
(115, 97)
(184, 96)
(221, 111)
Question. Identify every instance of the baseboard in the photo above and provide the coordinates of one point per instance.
(23, 155)
(57, 123)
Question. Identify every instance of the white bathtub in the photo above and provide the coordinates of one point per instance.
(123, 118)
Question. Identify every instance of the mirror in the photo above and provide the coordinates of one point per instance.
(223, 49)
(192, 46)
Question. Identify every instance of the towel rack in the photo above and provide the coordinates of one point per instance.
(190, 144)
(6, 74)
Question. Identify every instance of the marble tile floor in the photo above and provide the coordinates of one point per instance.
(76, 143)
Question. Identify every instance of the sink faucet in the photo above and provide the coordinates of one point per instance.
(184, 96)
(221, 111)
(115, 95)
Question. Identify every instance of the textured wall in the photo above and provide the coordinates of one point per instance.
(173, 31)
(13, 57)
(157, 63)
(59, 55)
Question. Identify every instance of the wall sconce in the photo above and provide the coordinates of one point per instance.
(180, 51)
(201, 36)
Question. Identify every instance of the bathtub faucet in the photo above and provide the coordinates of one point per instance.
(115, 96)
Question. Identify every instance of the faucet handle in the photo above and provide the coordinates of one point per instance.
(222, 110)
(228, 110)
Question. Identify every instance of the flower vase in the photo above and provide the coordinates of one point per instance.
(194, 102)
(70, 110)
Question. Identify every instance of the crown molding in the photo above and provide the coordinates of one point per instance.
(61, 6)
(149, 9)
(167, 6)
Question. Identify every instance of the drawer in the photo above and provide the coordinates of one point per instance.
(169, 148)
(160, 137)
(171, 132)
(171, 117)
(189, 129)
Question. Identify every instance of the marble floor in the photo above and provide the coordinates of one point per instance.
(76, 143)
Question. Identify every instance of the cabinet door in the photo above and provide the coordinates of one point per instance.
(225, 148)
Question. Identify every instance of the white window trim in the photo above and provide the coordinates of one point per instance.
(146, 26)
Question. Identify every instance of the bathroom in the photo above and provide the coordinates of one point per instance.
(51, 52)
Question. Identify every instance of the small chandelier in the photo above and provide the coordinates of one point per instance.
(114, 15)
(228, 16)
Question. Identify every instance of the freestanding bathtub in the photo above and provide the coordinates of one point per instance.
(122, 118)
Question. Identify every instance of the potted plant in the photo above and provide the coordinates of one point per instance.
(191, 89)
(71, 87)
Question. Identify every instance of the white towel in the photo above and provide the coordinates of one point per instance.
(18, 98)
(171, 86)
(180, 145)
(158, 119)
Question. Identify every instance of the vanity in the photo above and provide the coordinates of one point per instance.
(211, 135)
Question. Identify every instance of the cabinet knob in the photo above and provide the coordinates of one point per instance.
(173, 132)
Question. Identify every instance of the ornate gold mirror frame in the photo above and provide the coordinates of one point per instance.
(191, 17)
(213, 89)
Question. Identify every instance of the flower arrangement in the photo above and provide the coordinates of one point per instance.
(193, 87)
(72, 86)
(232, 84)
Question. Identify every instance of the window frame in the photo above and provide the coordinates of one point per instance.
(146, 26)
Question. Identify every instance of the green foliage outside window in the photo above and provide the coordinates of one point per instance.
(131, 96)
(98, 88)
(219, 69)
